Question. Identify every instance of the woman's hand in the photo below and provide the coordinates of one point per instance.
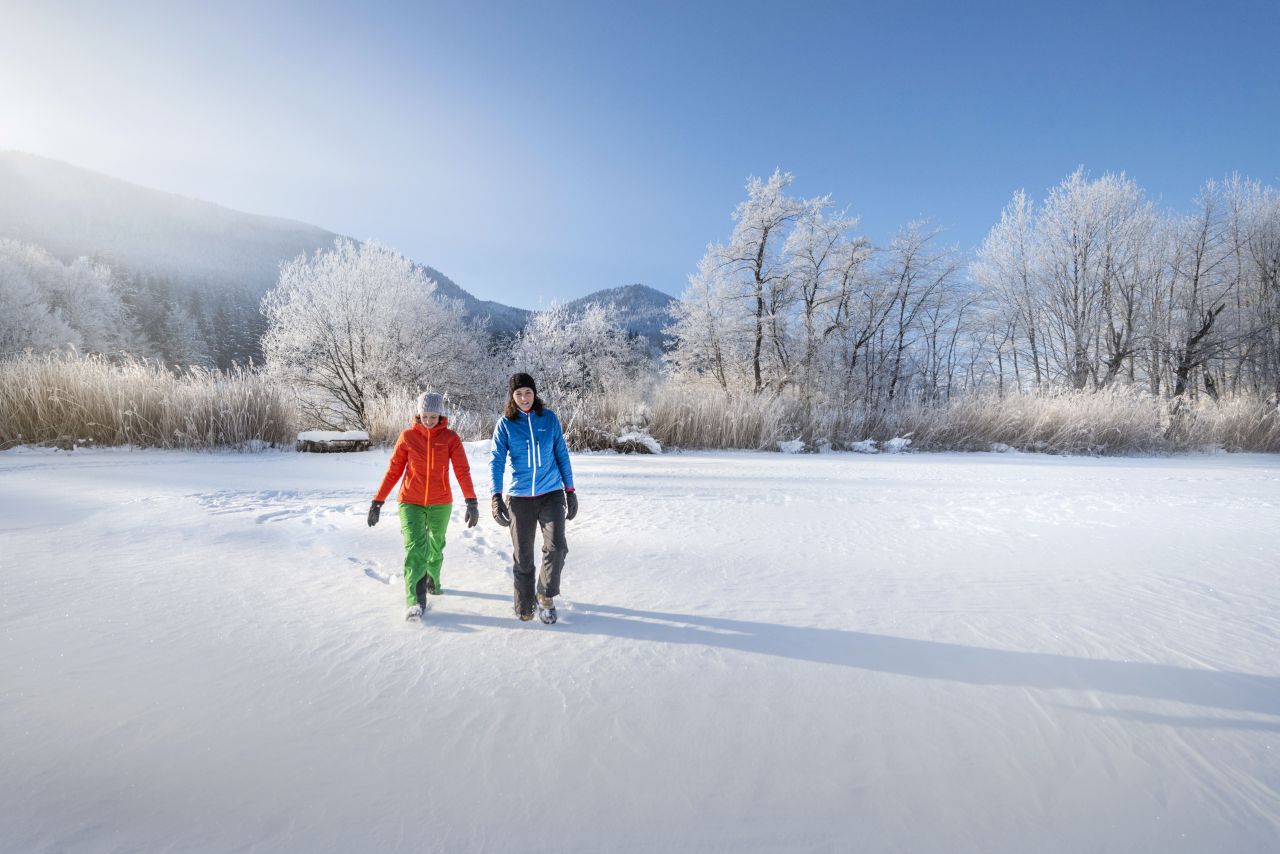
(571, 503)
(499, 508)
(472, 516)
(374, 509)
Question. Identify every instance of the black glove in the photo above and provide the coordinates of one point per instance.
(499, 508)
(571, 502)
(374, 509)
(472, 515)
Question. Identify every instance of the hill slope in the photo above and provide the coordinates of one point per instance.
(74, 212)
(210, 254)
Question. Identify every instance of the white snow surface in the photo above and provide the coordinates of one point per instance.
(756, 652)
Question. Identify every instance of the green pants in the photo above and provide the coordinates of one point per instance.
(423, 529)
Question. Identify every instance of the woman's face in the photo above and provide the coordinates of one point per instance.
(523, 398)
(430, 419)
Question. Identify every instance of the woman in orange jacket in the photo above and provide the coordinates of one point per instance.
(422, 455)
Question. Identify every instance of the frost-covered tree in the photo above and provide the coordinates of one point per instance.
(710, 336)
(748, 283)
(1075, 276)
(828, 270)
(1091, 235)
(83, 296)
(797, 305)
(1006, 268)
(576, 356)
(757, 310)
(87, 295)
(185, 339)
(1254, 224)
(358, 322)
(920, 277)
(26, 320)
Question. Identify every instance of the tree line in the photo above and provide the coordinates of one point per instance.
(93, 307)
(1093, 286)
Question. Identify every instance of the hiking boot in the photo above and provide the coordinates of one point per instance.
(413, 612)
(432, 587)
(525, 616)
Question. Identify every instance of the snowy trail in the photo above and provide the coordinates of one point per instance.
(985, 653)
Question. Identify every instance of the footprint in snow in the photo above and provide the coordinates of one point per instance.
(371, 569)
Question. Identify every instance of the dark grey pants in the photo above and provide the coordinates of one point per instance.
(527, 515)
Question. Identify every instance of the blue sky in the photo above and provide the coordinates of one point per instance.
(539, 151)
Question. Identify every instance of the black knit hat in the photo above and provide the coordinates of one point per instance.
(521, 381)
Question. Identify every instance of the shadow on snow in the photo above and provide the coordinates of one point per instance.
(927, 659)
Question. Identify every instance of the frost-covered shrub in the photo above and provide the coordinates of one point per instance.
(636, 443)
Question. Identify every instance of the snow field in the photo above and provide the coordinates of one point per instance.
(756, 652)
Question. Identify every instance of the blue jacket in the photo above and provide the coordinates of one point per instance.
(539, 458)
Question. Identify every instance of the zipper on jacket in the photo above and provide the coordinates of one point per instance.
(533, 452)
(431, 458)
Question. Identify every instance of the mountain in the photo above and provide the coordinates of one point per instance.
(213, 262)
(642, 309)
(74, 212)
(503, 319)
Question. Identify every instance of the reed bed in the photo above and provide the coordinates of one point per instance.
(1120, 420)
(74, 400)
(1111, 421)
(695, 417)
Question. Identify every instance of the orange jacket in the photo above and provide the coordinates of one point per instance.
(423, 457)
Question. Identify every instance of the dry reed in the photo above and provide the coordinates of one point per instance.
(72, 400)
(76, 400)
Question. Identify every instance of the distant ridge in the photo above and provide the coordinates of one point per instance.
(643, 310)
(503, 319)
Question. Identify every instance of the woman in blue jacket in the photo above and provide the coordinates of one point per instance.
(541, 494)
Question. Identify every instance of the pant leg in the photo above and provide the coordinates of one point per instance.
(437, 523)
(413, 525)
(524, 524)
(554, 545)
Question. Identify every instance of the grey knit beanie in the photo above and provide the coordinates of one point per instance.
(430, 402)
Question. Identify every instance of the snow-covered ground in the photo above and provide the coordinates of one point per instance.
(756, 652)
